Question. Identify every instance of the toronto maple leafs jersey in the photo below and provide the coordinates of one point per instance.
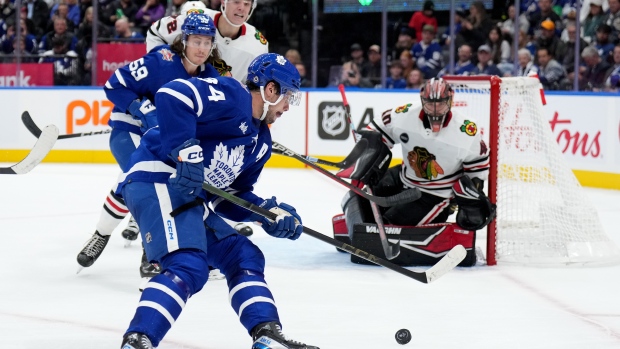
(433, 162)
(142, 78)
(217, 112)
(237, 53)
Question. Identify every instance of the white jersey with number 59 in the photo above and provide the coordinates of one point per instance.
(237, 52)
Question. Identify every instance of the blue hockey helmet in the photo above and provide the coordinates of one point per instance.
(198, 24)
(274, 67)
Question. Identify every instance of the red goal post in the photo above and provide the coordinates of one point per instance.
(543, 216)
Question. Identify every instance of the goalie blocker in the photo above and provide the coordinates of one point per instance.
(419, 245)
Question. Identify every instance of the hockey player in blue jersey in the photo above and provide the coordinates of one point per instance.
(127, 88)
(216, 131)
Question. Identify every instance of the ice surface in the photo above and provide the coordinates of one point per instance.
(323, 299)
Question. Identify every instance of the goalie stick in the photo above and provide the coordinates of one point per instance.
(390, 250)
(45, 143)
(385, 201)
(36, 131)
(445, 264)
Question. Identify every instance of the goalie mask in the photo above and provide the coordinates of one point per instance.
(436, 96)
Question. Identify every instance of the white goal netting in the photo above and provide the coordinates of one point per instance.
(543, 215)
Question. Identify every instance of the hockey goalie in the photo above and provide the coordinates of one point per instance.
(444, 157)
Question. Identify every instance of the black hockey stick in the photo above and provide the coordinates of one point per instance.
(42, 147)
(385, 201)
(355, 154)
(447, 263)
(36, 131)
(391, 251)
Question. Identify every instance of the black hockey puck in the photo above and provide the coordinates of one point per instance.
(403, 336)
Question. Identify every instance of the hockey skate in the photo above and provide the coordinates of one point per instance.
(135, 340)
(131, 232)
(147, 270)
(92, 250)
(214, 274)
(268, 335)
(244, 229)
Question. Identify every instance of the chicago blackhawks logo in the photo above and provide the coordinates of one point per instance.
(166, 54)
(469, 127)
(221, 67)
(403, 108)
(225, 166)
(259, 36)
(423, 163)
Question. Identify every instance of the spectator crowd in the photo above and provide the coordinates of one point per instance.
(60, 32)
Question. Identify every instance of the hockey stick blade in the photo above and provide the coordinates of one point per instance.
(45, 143)
(448, 262)
(387, 201)
(36, 131)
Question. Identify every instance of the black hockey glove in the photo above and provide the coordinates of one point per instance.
(372, 165)
(475, 208)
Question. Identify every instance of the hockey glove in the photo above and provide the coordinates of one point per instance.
(144, 111)
(372, 165)
(190, 169)
(287, 224)
(475, 208)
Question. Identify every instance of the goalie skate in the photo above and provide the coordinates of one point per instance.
(131, 232)
(269, 335)
(92, 250)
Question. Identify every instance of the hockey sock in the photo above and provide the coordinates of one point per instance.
(161, 303)
(113, 212)
(251, 299)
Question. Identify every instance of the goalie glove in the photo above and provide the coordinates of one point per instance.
(287, 224)
(372, 165)
(475, 208)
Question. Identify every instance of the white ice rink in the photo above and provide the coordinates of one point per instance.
(323, 299)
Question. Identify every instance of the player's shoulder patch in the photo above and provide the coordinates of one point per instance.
(403, 108)
(166, 54)
(260, 37)
(469, 127)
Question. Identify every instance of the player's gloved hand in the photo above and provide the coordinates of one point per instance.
(144, 111)
(190, 169)
(287, 224)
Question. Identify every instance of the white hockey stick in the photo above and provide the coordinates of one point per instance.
(44, 144)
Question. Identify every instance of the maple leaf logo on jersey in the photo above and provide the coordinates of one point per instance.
(225, 166)
(260, 37)
(166, 54)
(403, 108)
(423, 163)
(469, 127)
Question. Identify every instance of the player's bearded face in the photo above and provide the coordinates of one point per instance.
(198, 48)
(276, 110)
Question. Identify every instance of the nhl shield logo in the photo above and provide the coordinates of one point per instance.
(332, 121)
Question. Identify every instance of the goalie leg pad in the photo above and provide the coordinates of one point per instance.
(422, 245)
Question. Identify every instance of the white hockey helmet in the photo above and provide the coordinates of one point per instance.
(192, 7)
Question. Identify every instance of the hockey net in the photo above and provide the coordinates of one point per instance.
(543, 215)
